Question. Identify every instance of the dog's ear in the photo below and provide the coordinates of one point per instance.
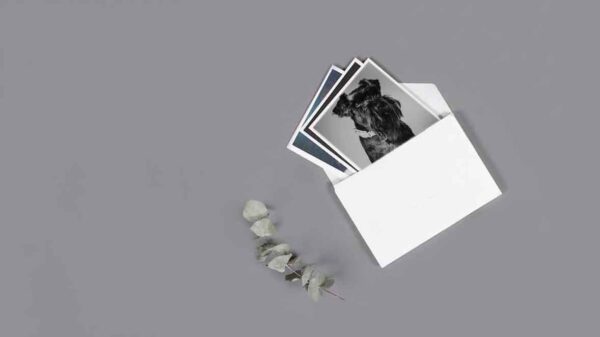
(367, 86)
(342, 107)
(374, 84)
(363, 83)
(366, 89)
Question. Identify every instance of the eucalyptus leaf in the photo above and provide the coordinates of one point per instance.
(271, 249)
(265, 243)
(254, 210)
(279, 256)
(317, 278)
(262, 257)
(263, 227)
(327, 283)
(306, 273)
(278, 263)
(282, 248)
(295, 262)
(262, 250)
(314, 293)
(314, 285)
(294, 259)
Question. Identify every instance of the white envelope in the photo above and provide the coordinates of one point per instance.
(421, 188)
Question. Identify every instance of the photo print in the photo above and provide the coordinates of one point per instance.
(350, 71)
(306, 147)
(370, 116)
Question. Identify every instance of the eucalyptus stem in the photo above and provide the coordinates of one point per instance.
(332, 293)
(293, 271)
(279, 255)
(324, 289)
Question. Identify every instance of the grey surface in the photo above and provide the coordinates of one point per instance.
(131, 132)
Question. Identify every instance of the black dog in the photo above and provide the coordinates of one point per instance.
(377, 118)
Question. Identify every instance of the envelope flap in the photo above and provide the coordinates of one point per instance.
(416, 191)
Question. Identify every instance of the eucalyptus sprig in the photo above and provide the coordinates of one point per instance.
(280, 257)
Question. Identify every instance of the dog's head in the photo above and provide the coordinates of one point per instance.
(372, 111)
(354, 105)
(367, 89)
(343, 108)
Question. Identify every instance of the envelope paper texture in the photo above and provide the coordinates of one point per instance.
(419, 189)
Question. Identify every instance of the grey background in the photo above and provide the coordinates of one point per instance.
(131, 133)
(341, 131)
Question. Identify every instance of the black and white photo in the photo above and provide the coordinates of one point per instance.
(371, 116)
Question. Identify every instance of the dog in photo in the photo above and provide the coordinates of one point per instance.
(371, 116)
